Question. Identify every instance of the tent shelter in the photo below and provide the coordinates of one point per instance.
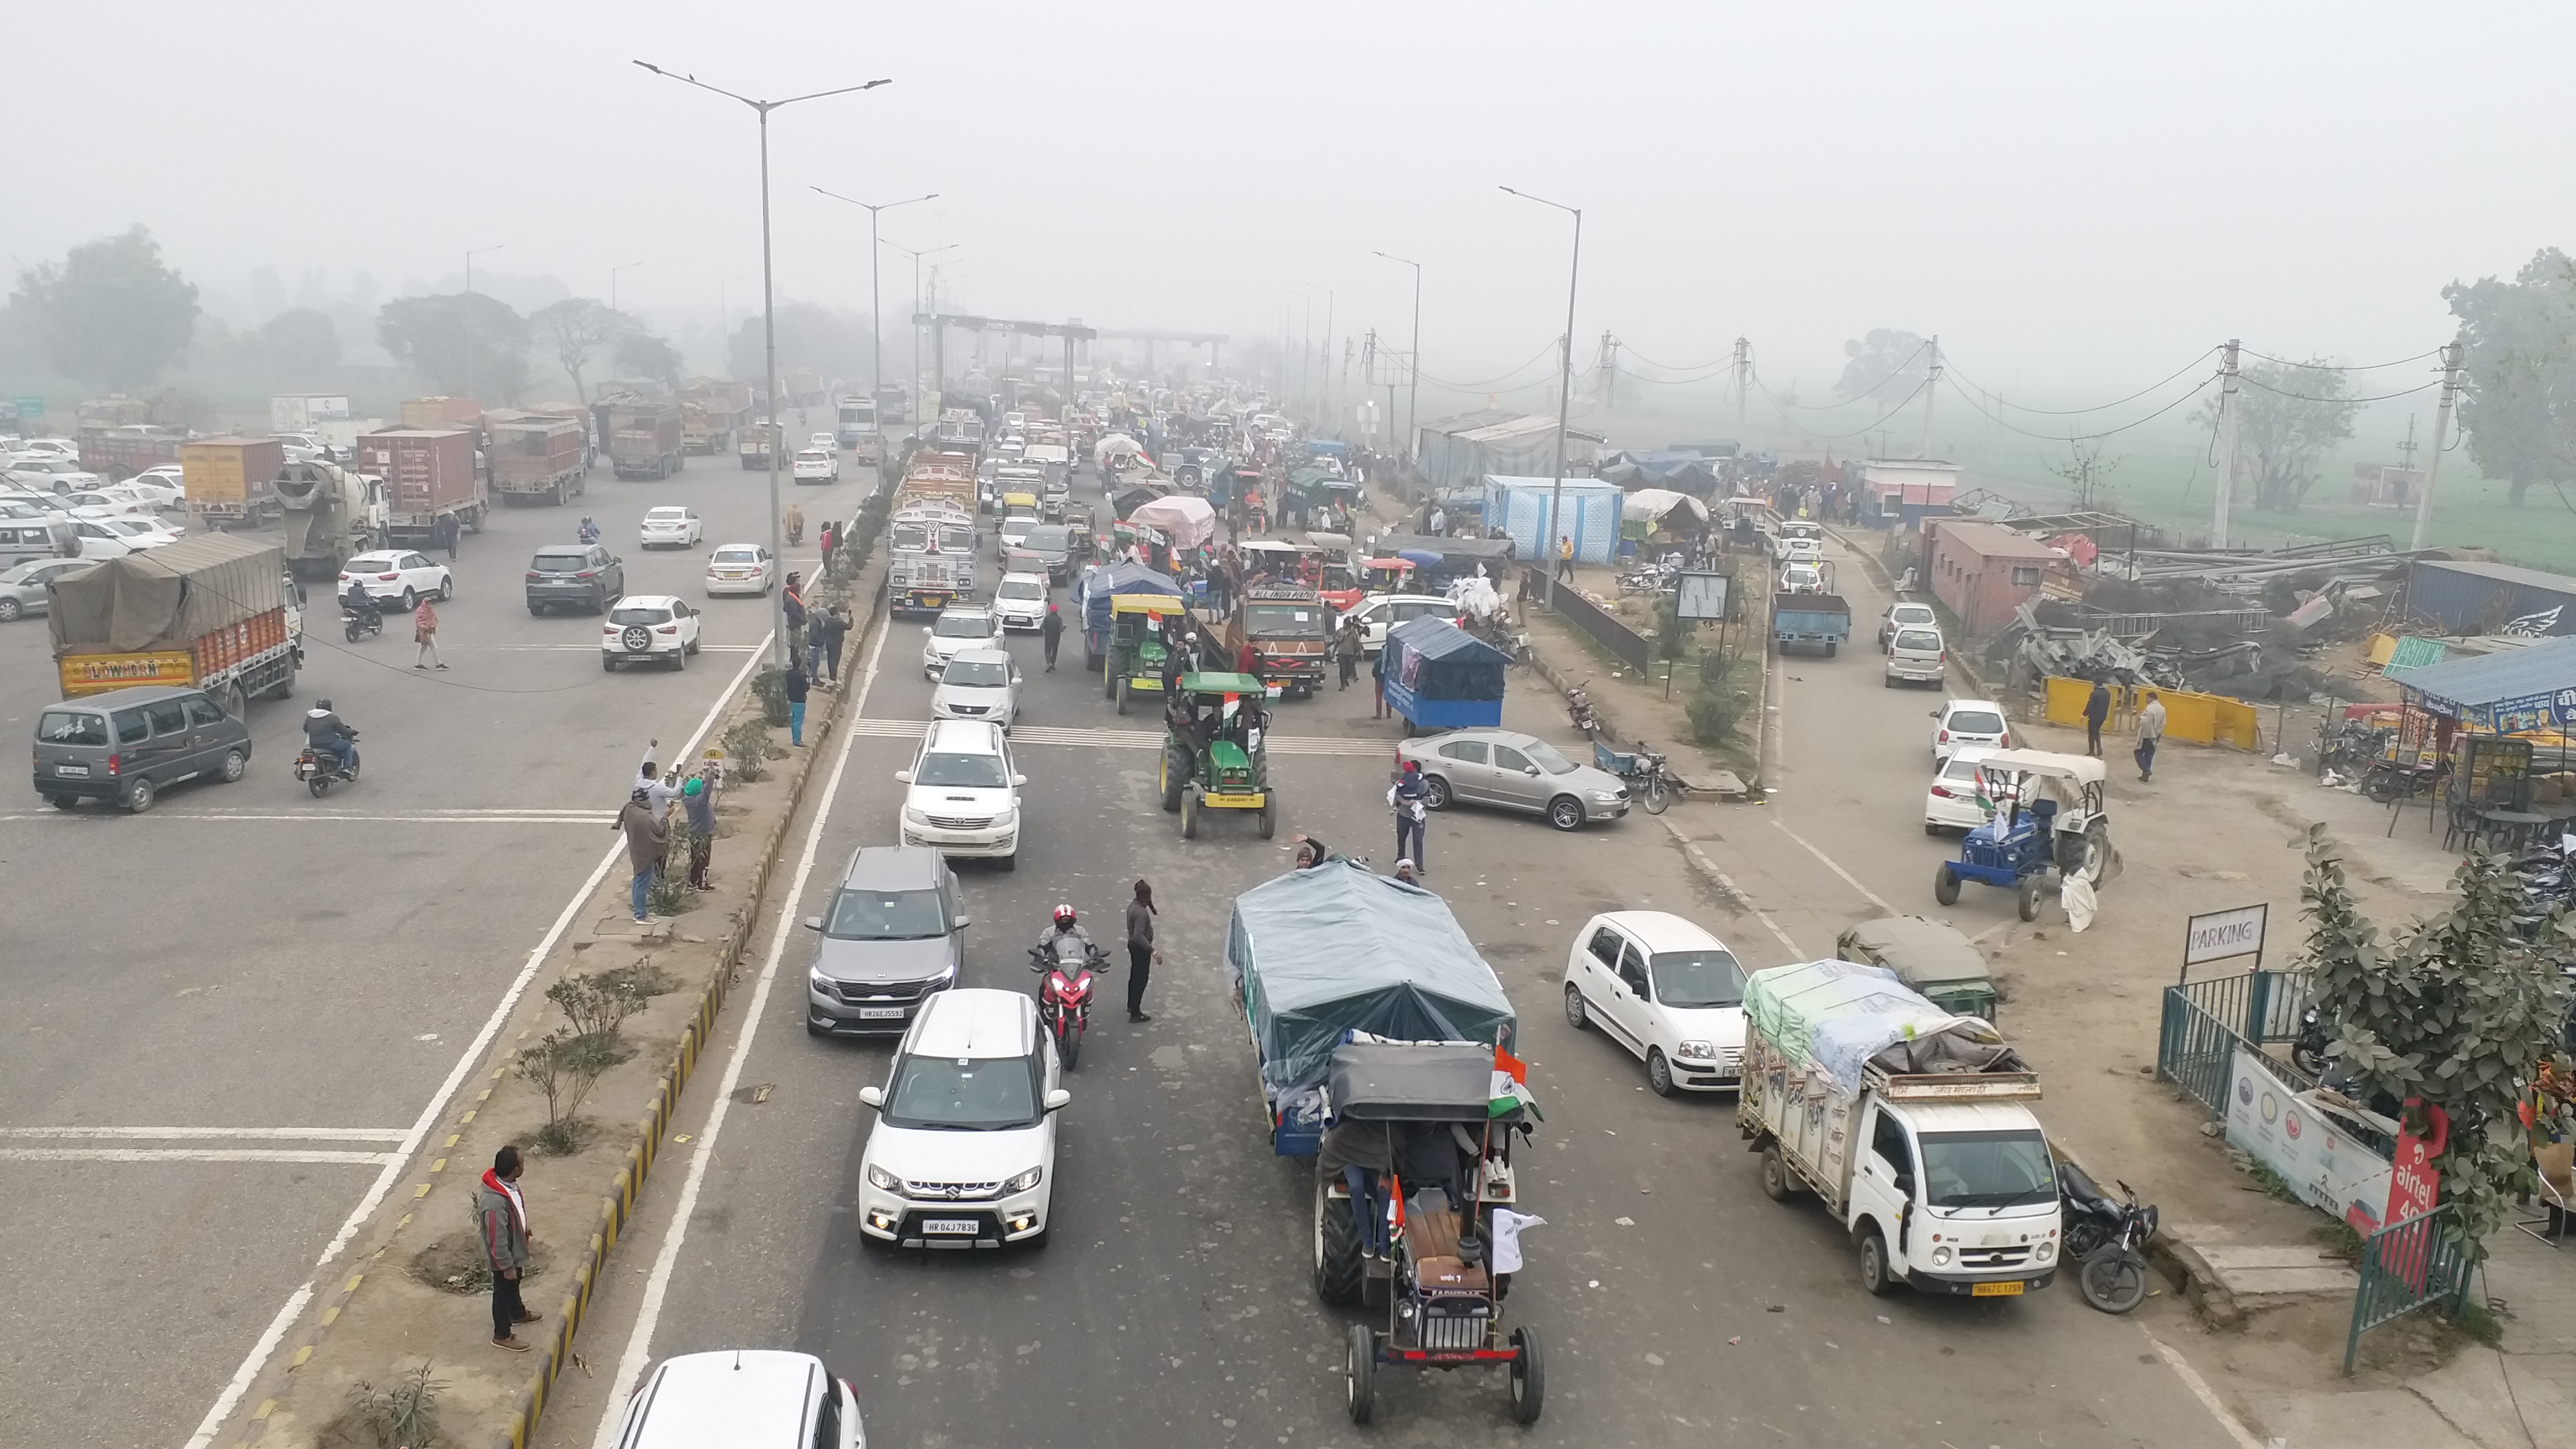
(1520, 507)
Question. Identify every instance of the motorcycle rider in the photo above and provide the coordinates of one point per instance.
(589, 530)
(327, 733)
(361, 605)
(1063, 927)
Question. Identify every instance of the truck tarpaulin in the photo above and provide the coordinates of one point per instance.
(1104, 582)
(1837, 1015)
(1435, 659)
(1189, 521)
(164, 597)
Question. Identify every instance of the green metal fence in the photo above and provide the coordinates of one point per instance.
(2204, 1021)
(2405, 1266)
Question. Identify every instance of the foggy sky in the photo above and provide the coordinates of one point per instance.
(2076, 201)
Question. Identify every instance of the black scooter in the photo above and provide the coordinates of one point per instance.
(2103, 1238)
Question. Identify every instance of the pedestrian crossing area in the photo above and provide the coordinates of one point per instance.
(1102, 739)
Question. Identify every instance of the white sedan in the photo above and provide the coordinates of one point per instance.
(104, 503)
(953, 633)
(400, 577)
(648, 629)
(741, 568)
(816, 466)
(1665, 989)
(672, 527)
(1957, 799)
(1380, 612)
(141, 532)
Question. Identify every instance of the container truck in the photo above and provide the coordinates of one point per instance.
(306, 413)
(535, 458)
(713, 415)
(211, 611)
(644, 438)
(1912, 1126)
(231, 480)
(429, 478)
(331, 514)
(442, 412)
(118, 453)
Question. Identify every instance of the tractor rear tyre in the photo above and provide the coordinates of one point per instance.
(1945, 885)
(1189, 815)
(1338, 1264)
(1170, 783)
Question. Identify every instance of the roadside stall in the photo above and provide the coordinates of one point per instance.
(2484, 740)
(1440, 677)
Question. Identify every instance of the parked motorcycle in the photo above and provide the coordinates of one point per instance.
(320, 769)
(1653, 578)
(1064, 997)
(1578, 706)
(2103, 1238)
(1649, 781)
(2309, 1051)
(357, 626)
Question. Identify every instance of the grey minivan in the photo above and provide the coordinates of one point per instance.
(584, 575)
(126, 745)
(893, 935)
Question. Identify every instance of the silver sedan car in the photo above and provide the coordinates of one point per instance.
(22, 589)
(1515, 772)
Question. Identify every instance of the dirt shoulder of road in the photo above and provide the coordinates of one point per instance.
(411, 1291)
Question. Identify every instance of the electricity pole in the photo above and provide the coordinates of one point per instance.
(1743, 381)
(2227, 406)
(1931, 384)
(1413, 361)
(2433, 460)
(1564, 393)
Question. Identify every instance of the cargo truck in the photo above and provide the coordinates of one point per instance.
(331, 514)
(713, 415)
(754, 447)
(644, 438)
(429, 477)
(1287, 627)
(212, 612)
(231, 481)
(1913, 1127)
(535, 458)
(306, 413)
(442, 412)
(930, 534)
(118, 453)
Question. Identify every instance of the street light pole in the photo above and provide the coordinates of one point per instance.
(768, 306)
(1565, 382)
(1413, 395)
(916, 326)
(469, 311)
(612, 281)
(876, 317)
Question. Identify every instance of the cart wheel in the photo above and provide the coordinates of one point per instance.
(2029, 900)
(1528, 1377)
(1170, 786)
(1945, 885)
(1778, 1183)
(1339, 1267)
(1361, 1375)
(1189, 815)
(1267, 823)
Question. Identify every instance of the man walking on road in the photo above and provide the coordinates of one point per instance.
(1565, 558)
(424, 635)
(501, 1215)
(446, 531)
(1404, 797)
(1348, 645)
(2097, 710)
(2151, 731)
(1141, 954)
(1051, 633)
(645, 837)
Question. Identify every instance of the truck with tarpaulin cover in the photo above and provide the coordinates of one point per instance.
(210, 611)
(1912, 1126)
(1440, 677)
(1098, 586)
(712, 414)
(1319, 955)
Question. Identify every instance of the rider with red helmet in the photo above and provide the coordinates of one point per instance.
(1060, 928)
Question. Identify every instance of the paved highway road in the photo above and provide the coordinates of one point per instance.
(223, 1018)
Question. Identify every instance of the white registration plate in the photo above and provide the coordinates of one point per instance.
(880, 1013)
(960, 1227)
(1273, 691)
(79, 772)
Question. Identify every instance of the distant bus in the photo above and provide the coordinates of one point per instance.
(858, 419)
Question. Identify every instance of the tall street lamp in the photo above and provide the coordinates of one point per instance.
(724, 320)
(1564, 389)
(916, 256)
(876, 317)
(612, 281)
(768, 301)
(470, 254)
(1413, 395)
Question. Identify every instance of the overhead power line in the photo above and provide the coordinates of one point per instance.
(2331, 367)
(1953, 369)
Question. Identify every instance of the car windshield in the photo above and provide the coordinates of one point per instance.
(963, 1094)
(963, 626)
(972, 772)
(1019, 588)
(72, 727)
(561, 563)
(1987, 1169)
(1959, 767)
(1912, 613)
(1050, 536)
(1287, 619)
(373, 563)
(736, 556)
(1976, 722)
(886, 916)
(1917, 639)
(26, 572)
(1691, 980)
(978, 673)
(1546, 758)
(639, 615)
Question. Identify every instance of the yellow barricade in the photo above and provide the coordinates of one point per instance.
(2200, 719)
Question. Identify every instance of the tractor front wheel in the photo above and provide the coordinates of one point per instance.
(1945, 885)
(2028, 900)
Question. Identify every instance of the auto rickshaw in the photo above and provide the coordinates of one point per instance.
(1136, 654)
(1214, 755)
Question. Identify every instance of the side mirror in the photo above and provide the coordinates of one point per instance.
(813, 923)
(1058, 1100)
(1019, 779)
(1531, 771)
(1905, 1182)
(961, 923)
(872, 1096)
(1936, 714)
(903, 777)
(925, 628)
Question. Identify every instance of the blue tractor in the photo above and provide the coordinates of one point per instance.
(2048, 815)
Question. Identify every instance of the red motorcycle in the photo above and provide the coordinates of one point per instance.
(1064, 996)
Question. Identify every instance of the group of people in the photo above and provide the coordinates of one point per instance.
(2151, 728)
(645, 822)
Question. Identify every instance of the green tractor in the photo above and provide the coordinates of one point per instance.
(1134, 659)
(1214, 754)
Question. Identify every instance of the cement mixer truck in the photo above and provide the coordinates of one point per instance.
(331, 513)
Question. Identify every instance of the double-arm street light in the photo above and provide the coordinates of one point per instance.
(1564, 392)
(1413, 394)
(917, 393)
(876, 316)
(768, 304)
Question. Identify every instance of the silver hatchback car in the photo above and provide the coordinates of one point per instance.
(1516, 772)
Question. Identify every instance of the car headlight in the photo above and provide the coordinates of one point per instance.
(1025, 1180)
(885, 1180)
(1605, 797)
(1940, 1256)
(1007, 818)
(1699, 1051)
(914, 817)
(2046, 1252)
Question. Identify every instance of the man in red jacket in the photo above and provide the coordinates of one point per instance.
(501, 1217)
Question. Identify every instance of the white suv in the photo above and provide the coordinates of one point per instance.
(648, 629)
(964, 798)
(754, 1398)
(963, 1155)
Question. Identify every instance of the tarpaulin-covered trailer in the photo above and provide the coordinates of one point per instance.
(1439, 676)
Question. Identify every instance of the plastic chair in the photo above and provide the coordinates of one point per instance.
(2557, 1164)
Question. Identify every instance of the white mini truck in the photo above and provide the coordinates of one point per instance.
(1912, 1126)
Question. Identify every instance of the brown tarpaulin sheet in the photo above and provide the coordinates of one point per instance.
(167, 596)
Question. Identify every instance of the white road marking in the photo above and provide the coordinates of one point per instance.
(232, 817)
(2201, 1390)
(1759, 914)
(196, 1154)
(187, 1134)
(1110, 739)
(591, 648)
(639, 1344)
(261, 1351)
(1836, 867)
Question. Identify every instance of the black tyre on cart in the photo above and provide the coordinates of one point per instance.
(1361, 1374)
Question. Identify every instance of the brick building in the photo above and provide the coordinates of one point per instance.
(1983, 571)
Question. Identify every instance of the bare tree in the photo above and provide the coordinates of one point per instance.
(578, 327)
(2084, 470)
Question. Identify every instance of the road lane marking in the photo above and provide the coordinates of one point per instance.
(2201, 1390)
(639, 1345)
(296, 1302)
(196, 1154)
(1111, 739)
(185, 1134)
(1836, 867)
(1700, 858)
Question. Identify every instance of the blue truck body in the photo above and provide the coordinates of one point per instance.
(1809, 621)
